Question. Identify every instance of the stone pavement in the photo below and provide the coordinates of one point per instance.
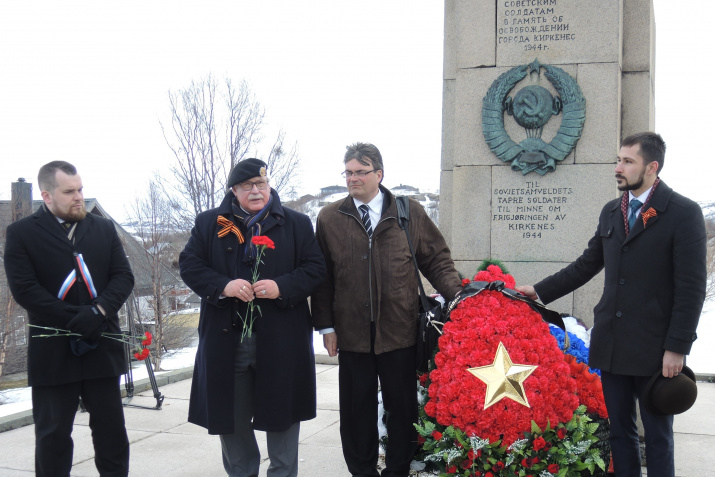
(164, 444)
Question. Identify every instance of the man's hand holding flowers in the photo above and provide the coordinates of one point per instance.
(239, 288)
(266, 289)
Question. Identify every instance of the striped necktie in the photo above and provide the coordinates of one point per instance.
(366, 220)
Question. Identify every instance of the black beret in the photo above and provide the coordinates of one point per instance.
(245, 170)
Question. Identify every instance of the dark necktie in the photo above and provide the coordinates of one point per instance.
(366, 219)
(634, 205)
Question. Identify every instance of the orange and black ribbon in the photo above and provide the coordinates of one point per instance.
(647, 215)
(228, 227)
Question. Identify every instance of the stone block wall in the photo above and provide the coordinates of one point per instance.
(538, 224)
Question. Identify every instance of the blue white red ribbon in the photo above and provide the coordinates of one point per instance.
(72, 278)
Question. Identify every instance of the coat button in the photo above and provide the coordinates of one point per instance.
(225, 330)
(364, 257)
(625, 248)
(367, 304)
(622, 281)
(229, 249)
(619, 314)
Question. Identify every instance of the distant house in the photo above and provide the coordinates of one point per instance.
(403, 189)
(336, 189)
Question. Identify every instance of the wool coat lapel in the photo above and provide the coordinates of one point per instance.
(49, 225)
(659, 202)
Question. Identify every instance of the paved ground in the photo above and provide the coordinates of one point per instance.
(164, 444)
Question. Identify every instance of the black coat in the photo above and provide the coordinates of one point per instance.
(654, 285)
(38, 258)
(285, 363)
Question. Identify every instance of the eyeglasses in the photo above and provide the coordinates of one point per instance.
(360, 174)
(260, 185)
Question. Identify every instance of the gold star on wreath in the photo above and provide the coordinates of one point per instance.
(503, 378)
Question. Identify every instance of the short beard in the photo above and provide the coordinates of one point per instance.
(74, 215)
(635, 186)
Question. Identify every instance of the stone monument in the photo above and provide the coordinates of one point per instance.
(521, 181)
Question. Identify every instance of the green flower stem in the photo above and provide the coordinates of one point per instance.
(56, 331)
(250, 318)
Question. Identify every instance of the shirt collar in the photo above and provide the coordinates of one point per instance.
(642, 198)
(375, 204)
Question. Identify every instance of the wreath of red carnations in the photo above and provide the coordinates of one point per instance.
(470, 339)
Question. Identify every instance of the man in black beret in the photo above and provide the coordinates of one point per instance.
(254, 369)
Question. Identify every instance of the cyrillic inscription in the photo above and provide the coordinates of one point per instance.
(534, 25)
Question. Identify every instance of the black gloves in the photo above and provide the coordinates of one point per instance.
(88, 323)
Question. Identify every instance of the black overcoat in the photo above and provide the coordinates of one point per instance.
(38, 257)
(654, 285)
(285, 363)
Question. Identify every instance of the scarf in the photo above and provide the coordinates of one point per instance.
(644, 207)
(253, 224)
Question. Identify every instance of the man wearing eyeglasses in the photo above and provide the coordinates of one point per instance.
(366, 310)
(264, 379)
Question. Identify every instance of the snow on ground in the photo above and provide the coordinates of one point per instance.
(20, 399)
(701, 361)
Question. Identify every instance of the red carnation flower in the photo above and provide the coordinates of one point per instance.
(562, 433)
(420, 439)
(553, 468)
(539, 443)
(146, 341)
(259, 240)
(466, 464)
(452, 469)
(471, 455)
(465, 282)
(436, 435)
(143, 355)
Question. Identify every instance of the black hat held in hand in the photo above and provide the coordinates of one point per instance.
(667, 396)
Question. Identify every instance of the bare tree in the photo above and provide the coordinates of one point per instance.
(283, 165)
(211, 130)
(152, 220)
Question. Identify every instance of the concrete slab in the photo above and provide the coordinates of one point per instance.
(18, 450)
(700, 419)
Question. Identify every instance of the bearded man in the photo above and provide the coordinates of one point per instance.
(652, 243)
(69, 271)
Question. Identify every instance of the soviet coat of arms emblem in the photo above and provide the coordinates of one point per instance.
(532, 107)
